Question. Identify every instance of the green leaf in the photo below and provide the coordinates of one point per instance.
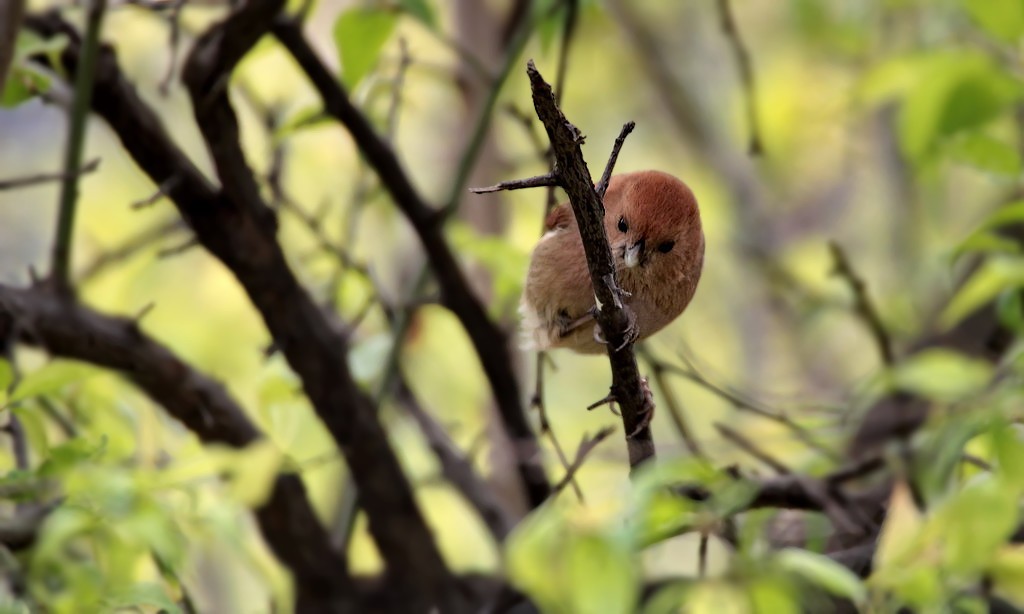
(360, 34)
(942, 374)
(985, 153)
(1003, 19)
(822, 571)
(942, 454)
(6, 377)
(23, 83)
(50, 379)
(421, 10)
(147, 594)
(1009, 454)
(601, 574)
(994, 276)
(975, 523)
(899, 539)
(1010, 213)
(570, 567)
(954, 91)
(1007, 574)
(985, 242)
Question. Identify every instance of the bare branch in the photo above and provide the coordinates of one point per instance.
(606, 177)
(548, 180)
(75, 145)
(751, 449)
(457, 469)
(732, 33)
(675, 412)
(586, 446)
(31, 180)
(613, 316)
(863, 306)
(488, 339)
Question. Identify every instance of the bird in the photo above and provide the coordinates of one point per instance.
(653, 225)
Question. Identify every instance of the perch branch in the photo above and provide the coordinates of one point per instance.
(613, 316)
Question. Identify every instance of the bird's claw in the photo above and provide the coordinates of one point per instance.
(632, 332)
(647, 413)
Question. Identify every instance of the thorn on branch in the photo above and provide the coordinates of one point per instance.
(162, 190)
(177, 250)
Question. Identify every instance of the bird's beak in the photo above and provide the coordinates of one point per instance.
(634, 253)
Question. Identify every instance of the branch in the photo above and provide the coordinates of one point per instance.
(61, 265)
(457, 469)
(613, 316)
(287, 520)
(31, 180)
(548, 180)
(11, 13)
(732, 33)
(489, 341)
(315, 349)
(586, 446)
(748, 446)
(674, 411)
(240, 232)
(863, 306)
(606, 176)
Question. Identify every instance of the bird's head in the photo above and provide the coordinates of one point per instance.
(653, 227)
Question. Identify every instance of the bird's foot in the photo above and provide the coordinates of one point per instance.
(646, 410)
(632, 330)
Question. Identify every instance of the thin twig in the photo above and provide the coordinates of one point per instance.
(568, 29)
(161, 192)
(77, 121)
(748, 446)
(586, 445)
(31, 180)
(550, 180)
(537, 402)
(863, 306)
(606, 176)
(174, 21)
(702, 555)
(674, 411)
(129, 248)
(405, 60)
(799, 431)
(613, 317)
(456, 467)
(746, 73)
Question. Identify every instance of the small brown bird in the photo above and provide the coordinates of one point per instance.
(653, 227)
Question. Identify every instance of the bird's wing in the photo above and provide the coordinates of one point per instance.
(560, 217)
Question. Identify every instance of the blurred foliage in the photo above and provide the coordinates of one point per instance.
(908, 110)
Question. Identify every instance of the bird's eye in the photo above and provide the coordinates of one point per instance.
(666, 247)
(623, 226)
